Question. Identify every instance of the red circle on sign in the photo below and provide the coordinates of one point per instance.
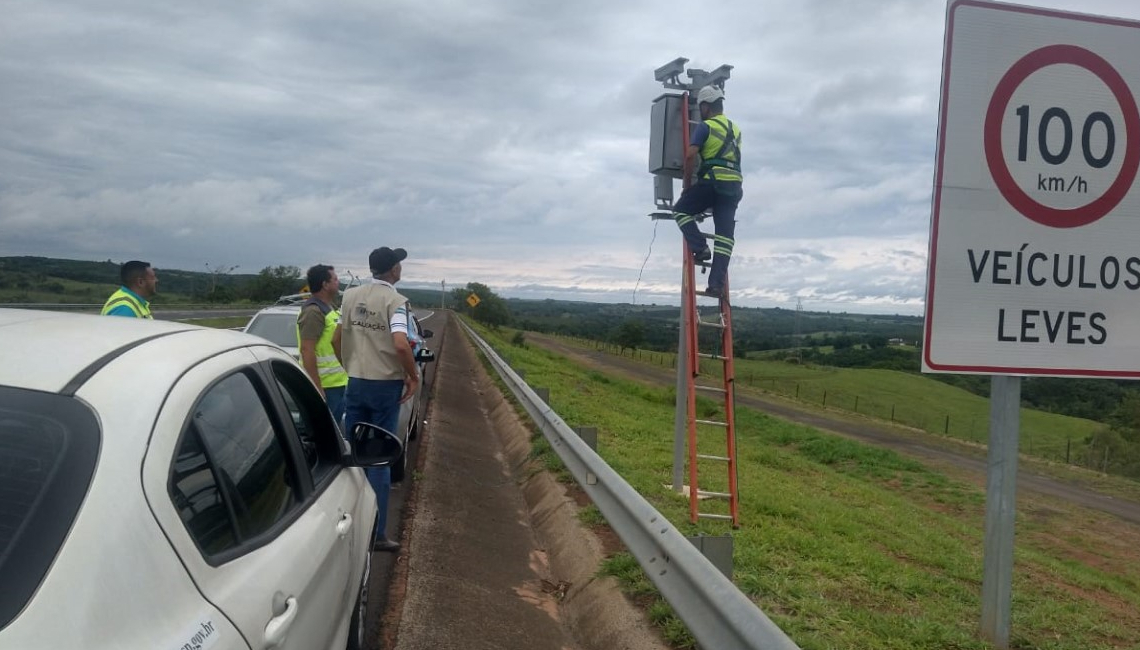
(995, 157)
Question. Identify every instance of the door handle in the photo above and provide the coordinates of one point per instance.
(344, 525)
(278, 626)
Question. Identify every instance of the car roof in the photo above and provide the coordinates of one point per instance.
(280, 309)
(56, 351)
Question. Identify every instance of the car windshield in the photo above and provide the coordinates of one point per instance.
(48, 448)
(278, 328)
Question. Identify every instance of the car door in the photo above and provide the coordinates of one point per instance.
(231, 492)
(342, 493)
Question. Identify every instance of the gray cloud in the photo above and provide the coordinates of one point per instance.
(502, 142)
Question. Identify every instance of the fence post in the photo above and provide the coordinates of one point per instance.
(1068, 448)
(856, 403)
(825, 397)
(946, 428)
(892, 412)
(797, 390)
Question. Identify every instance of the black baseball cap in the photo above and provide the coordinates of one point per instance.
(381, 260)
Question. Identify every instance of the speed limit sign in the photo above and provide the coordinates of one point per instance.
(1035, 232)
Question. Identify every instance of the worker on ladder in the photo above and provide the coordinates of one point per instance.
(719, 186)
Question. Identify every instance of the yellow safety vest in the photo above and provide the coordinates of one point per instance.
(720, 154)
(331, 373)
(122, 297)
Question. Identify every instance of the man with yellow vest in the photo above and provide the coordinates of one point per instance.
(133, 298)
(719, 186)
(318, 338)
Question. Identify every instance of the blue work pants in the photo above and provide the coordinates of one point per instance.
(376, 401)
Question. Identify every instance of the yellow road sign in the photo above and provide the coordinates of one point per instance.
(473, 300)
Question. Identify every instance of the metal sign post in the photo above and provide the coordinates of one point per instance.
(1001, 489)
(1033, 268)
(680, 422)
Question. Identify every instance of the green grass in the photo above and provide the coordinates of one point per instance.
(845, 545)
(903, 398)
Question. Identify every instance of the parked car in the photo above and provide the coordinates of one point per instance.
(278, 324)
(169, 486)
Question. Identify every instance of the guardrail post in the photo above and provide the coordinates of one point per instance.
(718, 550)
(589, 435)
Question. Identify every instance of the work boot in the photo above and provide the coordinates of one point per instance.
(702, 255)
(385, 545)
(714, 292)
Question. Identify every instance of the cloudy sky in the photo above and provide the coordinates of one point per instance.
(499, 141)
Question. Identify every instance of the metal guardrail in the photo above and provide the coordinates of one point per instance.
(717, 614)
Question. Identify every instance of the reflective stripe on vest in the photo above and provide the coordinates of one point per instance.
(720, 154)
(121, 297)
(331, 373)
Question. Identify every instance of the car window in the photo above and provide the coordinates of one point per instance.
(278, 328)
(196, 495)
(311, 418)
(49, 445)
(232, 479)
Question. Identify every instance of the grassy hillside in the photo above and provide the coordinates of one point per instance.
(849, 546)
(903, 398)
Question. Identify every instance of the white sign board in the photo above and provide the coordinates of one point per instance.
(1035, 231)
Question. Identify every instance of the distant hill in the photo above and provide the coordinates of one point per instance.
(30, 279)
(753, 328)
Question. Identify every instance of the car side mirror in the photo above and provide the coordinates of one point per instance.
(427, 334)
(373, 446)
(425, 356)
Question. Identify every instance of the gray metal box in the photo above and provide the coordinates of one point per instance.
(666, 151)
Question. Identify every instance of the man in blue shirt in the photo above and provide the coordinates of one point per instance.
(133, 298)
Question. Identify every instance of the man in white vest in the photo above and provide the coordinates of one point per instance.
(382, 372)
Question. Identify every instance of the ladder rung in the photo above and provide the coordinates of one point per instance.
(707, 235)
(719, 424)
(711, 457)
(707, 323)
(719, 495)
(709, 388)
(661, 215)
(712, 356)
(707, 515)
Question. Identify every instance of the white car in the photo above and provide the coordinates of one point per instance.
(169, 486)
(278, 324)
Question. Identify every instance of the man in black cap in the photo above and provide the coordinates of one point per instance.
(382, 372)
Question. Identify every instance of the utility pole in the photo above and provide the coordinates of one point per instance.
(667, 150)
(442, 294)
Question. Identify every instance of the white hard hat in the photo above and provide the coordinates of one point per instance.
(709, 94)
